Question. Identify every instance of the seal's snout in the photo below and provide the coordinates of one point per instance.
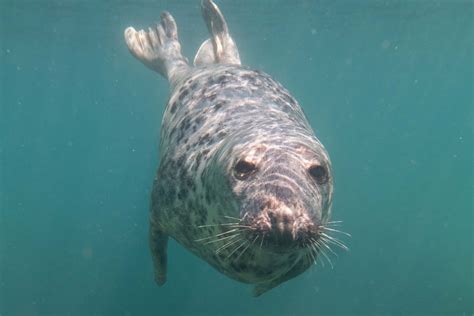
(282, 220)
(283, 226)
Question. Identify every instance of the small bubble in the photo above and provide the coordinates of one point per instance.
(385, 44)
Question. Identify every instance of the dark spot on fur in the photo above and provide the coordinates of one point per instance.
(193, 86)
(221, 135)
(173, 107)
(199, 120)
(212, 97)
(185, 124)
(218, 106)
(287, 98)
(198, 159)
(222, 80)
(180, 161)
(183, 94)
(248, 77)
(203, 139)
(211, 81)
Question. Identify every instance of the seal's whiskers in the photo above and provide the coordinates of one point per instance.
(328, 248)
(220, 249)
(233, 251)
(261, 243)
(248, 245)
(318, 246)
(218, 235)
(334, 241)
(312, 253)
(336, 231)
(333, 224)
(230, 217)
(222, 239)
(223, 224)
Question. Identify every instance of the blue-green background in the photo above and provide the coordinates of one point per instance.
(387, 85)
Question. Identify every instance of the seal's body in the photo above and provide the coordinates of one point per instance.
(243, 182)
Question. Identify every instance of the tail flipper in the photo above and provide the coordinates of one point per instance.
(220, 48)
(159, 48)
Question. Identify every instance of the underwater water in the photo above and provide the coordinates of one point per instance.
(387, 86)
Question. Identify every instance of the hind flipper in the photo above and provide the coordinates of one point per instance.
(220, 48)
(159, 251)
(159, 48)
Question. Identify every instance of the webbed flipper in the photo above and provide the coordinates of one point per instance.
(159, 48)
(220, 48)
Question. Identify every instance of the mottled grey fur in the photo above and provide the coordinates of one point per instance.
(256, 230)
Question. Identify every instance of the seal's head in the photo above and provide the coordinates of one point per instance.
(284, 189)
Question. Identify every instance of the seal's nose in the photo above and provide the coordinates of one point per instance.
(282, 221)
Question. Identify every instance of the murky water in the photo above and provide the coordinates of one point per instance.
(387, 85)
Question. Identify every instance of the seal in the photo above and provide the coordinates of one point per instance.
(243, 182)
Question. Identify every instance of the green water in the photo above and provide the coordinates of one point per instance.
(387, 85)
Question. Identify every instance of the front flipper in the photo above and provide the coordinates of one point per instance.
(298, 267)
(159, 252)
(220, 48)
(261, 288)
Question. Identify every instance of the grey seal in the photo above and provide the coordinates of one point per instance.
(243, 182)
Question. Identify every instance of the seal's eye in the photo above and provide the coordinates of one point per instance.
(243, 169)
(319, 173)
